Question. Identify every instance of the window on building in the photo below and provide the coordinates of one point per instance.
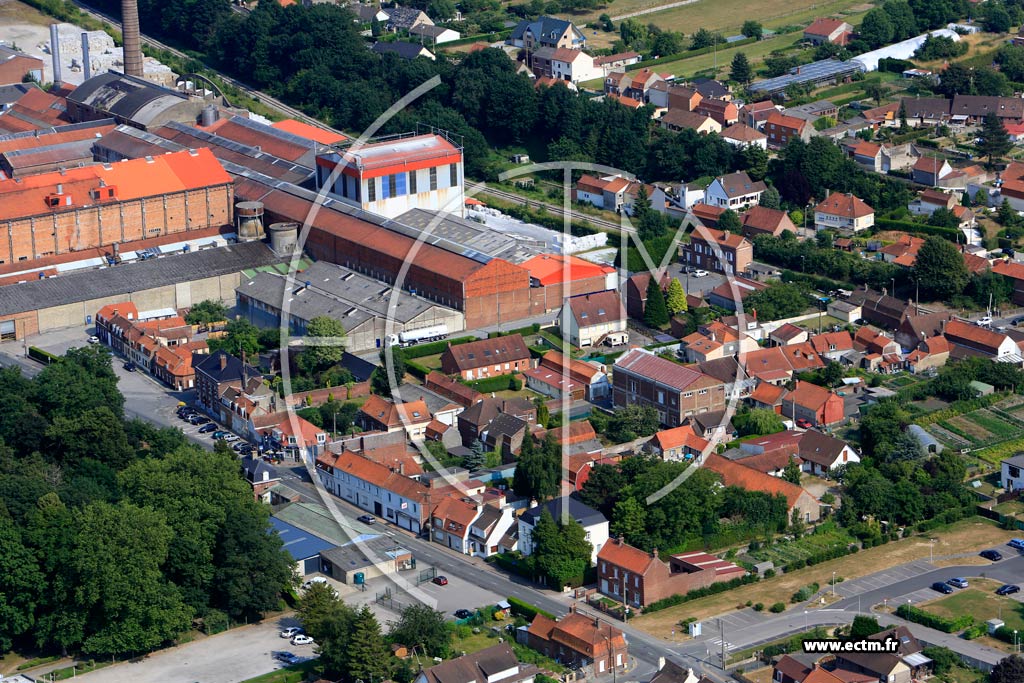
(412, 182)
(371, 189)
(702, 392)
(433, 178)
(661, 397)
(392, 186)
(453, 175)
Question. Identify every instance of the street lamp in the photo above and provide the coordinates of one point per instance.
(805, 621)
(833, 584)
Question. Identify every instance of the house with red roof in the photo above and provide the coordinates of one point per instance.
(742, 135)
(715, 340)
(781, 128)
(828, 30)
(486, 357)
(968, 339)
(378, 414)
(577, 640)
(675, 391)
(734, 473)
(1014, 272)
(767, 396)
(930, 200)
(760, 220)
(930, 353)
(717, 251)
(451, 522)
(843, 212)
(676, 444)
(832, 345)
(787, 334)
(557, 376)
(724, 112)
(595, 319)
(638, 578)
(636, 292)
(902, 252)
(817, 405)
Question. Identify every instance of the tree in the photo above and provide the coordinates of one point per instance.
(538, 468)
(901, 16)
(729, 221)
(1006, 215)
(320, 355)
(629, 520)
(758, 421)
(676, 297)
(241, 338)
(207, 312)
(668, 43)
(944, 218)
(441, 10)
(997, 19)
(832, 374)
(875, 91)
(561, 550)
(770, 198)
(705, 38)
(380, 379)
(602, 488)
(995, 141)
(21, 584)
(791, 472)
(367, 654)
(862, 627)
(752, 29)
(876, 29)
(741, 71)
(943, 659)
(779, 300)
(940, 47)
(904, 126)
(425, 628)
(1008, 670)
(655, 309)
(632, 422)
(940, 269)
(754, 160)
(322, 613)
(956, 79)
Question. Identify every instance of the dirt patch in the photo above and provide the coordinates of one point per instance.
(972, 429)
(14, 12)
(762, 675)
(958, 538)
(974, 561)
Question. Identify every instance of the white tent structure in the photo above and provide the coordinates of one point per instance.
(902, 50)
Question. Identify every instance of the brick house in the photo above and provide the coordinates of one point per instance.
(674, 390)
(678, 443)
(576, 640)
(780, 129)
(215, 373)
(760, 220)
(828, 30)
(717, 251)
(636, 292)
(638, 578)
(486, 357)
(817, 405)
(722, 111)
(381, 415)
(734, 473)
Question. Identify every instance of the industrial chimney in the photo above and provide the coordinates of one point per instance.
(132, 40)
(86, 61)
(55, 54)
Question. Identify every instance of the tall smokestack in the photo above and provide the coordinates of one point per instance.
(132, 40)
(55, 53)
(86, 63)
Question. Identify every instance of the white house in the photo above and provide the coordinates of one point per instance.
(843, 212)
(451, 521)
(742, 135)
(595, 319)
(435, 34)
(488, 529)
(734, 191)
(1012, 473)
(593, 522)
(564, 64)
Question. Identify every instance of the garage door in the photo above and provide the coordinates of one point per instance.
(311, 565)
(7, 330)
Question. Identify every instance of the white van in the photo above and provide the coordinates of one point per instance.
(314, 580)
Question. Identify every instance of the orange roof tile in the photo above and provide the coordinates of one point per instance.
(305, 130)
(679, 437)
(620, 554)
(549, 269)
(735, 474)
(809, 395)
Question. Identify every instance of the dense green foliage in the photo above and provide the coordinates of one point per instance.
(808, 257)
(207, 312)
(113, 534)
(539, 468)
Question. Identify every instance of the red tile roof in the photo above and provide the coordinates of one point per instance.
(484, 352)
(768, 394)
(617, 553)
(735, 474)
(824, 26)
(1010, 269)
(781, 120)
(719, 237)
(808, 395)
(649, 366)
(845, 205)
(548, 269)
(680, 437)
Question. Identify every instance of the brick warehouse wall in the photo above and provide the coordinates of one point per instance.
(94, 226)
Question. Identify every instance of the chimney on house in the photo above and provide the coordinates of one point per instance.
(654, 551)
(401, 468)
(223, 362)
(621, 539)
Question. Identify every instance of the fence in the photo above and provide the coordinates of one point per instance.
(426, 575)
(997, 517)
(385, 599)
(1009, 495)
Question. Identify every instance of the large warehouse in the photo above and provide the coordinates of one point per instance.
(362, 304)
(99, 205)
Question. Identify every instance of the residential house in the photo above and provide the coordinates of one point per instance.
(437, 35)
(843, 212)
(504, 434)
(832, 346)
(379, 414)
(712, 426)
(717, 251)
(450, 523)
(367, 14)
(558, 376)
(715, 340)
(902, 252)
(787, 334)
(636, 292)
(846, 311)
(725, 294)
(217, 372)
(291, 433)
(868, 155)
(869, 341)
(495, 664)
(576, 640)
(817, 405)
(792, 669)
(756, 114)
(781, 128)
(640, 83)
(742, 135)
(260, 476)
(930, 170)
(1014, 272)
(637, 578)
(760, 220)
(474, 421)
(885, 116)
(822, 454)
(931, 353)
(596, 318)
(677, 444)
(734, 191)
(880, 309)
(487, 530)
(593, 522)
(404, 18)
(403, 49)
(877, 665)
(767, 396)
(828, 30)
(618, 60)
(679, 119)
(1010, 477)
(547, 32)
(486, 357)
(733, 473)
(707, 215)
(563, 64)
(683, 98)
(973, 340)
(930, 201)
(674, 390)
(711, 89)
(972, 109)
(724, 112)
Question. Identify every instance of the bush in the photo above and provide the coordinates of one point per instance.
(920, 616)
(758, 606)
(45, 357)
(772, 651)
(215, 621)
(805, 593)
(778, 607)
(526, 610)
(432, 348)
(977, 631)
(496, 383)
(769, 573)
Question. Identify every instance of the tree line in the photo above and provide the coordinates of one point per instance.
(115, 535)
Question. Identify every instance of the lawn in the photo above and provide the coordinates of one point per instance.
(474, 642)
(432, 362)
(962, 537)
(980, 602)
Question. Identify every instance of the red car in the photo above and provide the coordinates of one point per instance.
(441, 580)
(803, 424)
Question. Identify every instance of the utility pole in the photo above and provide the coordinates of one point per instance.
(721, 630)
(833, 584)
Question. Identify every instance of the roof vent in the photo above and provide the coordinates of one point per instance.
(149, 159)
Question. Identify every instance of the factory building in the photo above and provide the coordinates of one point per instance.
(367, 308)
(131, 100)
(393, 175)
(104, 204)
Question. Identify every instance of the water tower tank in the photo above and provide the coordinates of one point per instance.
(283, 238)
(249, 221)
(210, 115)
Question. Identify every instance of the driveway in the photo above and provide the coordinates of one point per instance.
(228, 657)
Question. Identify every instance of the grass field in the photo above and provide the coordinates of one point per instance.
(965, 536)
(987, 426)
(980, 602)
(291, 674)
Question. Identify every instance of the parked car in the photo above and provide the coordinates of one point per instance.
(229, 437)
(463, 614)
(93, 339)
(1016, 543)
(441, 580)
(302, 639)
(287, 657)
(958, 582)
(700, 273)
(1008, 589)
(993, 555)
(291, 631)
(219, 434)
(198, 419)
(366, 519)
(129, 366)
(315, 579)
(1017, 321)
(803, 424)
(984, 321)
(941, 587)
(207, 428)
